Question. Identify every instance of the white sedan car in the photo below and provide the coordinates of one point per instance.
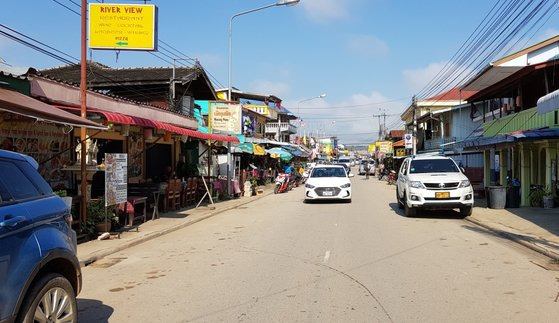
(328, 182)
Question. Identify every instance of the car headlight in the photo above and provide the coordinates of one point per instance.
(309, 186)
(464, 184)
(346, 185)
(416, 184)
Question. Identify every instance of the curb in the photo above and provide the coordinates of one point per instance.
(103, 253)
(512, 237)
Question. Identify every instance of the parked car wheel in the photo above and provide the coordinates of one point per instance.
(50, 299)
(400, 204)
(409, 211)
(466, 211)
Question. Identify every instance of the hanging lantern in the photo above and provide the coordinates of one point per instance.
(167, 136)
(148, 133)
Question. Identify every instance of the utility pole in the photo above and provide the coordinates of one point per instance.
(414, 136)
(382, 126)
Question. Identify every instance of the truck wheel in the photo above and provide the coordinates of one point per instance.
(400, 204)
(466, 211)
(409, 211)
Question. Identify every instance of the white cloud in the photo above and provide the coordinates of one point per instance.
(417, 79)
(350, 119)
(367, 46)
(16, 70)
(325, 10)
(279, 89)
(549, 33)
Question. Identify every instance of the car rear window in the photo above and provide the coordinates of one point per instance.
(433, 166)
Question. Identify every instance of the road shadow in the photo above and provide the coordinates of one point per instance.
(428, 214)
(325, 201)
(92, 310)
(513, 236)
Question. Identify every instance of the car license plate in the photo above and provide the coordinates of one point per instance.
(327, 193)
(442, 195)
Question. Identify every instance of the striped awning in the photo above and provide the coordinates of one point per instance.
(119, 118)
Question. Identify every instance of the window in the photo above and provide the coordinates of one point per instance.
(33, 175)
(404, 168)
(17, 183)
(329, 172)
(433, 166)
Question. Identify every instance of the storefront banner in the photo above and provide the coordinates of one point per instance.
(226, 118)
(116, 178)
(371, 149)
(399, 152)
(385, 147)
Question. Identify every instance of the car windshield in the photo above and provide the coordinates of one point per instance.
(433, 166)
(328, 172)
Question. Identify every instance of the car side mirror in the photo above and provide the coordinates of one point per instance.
(462, 170)
(351, 175)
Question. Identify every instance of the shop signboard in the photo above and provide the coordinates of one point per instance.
(116, 178)
(399, 152)
(408, 141)
(122, 26)
(226, 118)
(371, 149)
(385, 147)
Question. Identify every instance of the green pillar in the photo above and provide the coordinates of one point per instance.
(525, 176)
(486, 168)
(550, 156)
(504, 166)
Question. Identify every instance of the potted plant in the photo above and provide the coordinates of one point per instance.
(97, 216)
(548, 198)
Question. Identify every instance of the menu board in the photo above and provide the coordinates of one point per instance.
(46, 143)
(116, 178)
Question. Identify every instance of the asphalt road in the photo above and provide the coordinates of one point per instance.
(279, 260)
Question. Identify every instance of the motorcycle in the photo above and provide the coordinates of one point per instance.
(282, 183)
(392, 178)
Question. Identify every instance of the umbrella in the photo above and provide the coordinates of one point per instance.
(279, 153)
(250, 148)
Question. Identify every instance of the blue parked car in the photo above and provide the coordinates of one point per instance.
(39, 272)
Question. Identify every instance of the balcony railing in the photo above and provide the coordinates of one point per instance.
(523, 120)
(435, 143)
(272, 127)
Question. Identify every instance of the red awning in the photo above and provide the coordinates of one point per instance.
(21, 104)
(119, 118)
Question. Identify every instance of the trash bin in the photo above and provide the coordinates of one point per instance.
(497, 197)
(513, 197)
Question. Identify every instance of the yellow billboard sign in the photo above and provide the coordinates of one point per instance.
(225, 117)
(122, 26)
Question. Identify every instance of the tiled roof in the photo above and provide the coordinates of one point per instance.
(452, 95)
(98, 73)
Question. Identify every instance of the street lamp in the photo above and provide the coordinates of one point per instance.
(323, 95)
(278, 3)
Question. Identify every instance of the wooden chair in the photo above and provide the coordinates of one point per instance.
(187, 191)
(177, 192)
(193, 189)
(169, 195)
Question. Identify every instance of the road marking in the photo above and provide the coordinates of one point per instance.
(326, 256)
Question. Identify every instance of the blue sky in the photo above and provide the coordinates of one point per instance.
(358, 52)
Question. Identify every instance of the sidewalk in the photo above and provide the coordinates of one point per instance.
(94, 250)
(535, 228)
